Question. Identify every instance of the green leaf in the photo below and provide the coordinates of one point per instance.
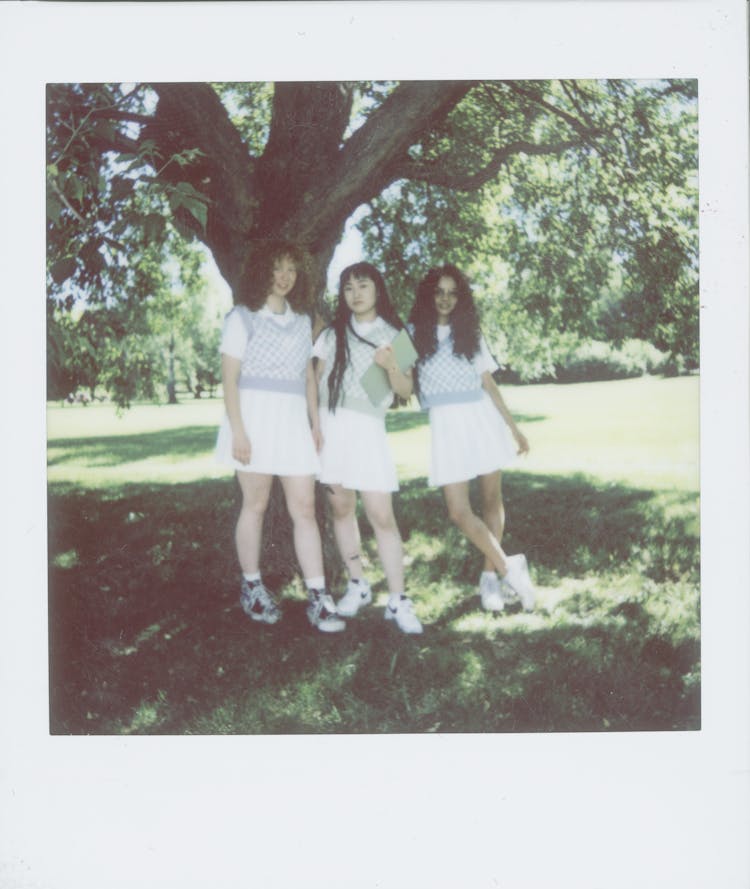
(121, 188)
(176, 199)
(182, 228)
(63, 269)
(198, 210)
(153, 226)
(104, 129)
(54, 207)
(74, 187)
(187, 189)
(92, 258)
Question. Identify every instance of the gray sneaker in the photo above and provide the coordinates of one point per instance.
(257, 602)
(321, 612)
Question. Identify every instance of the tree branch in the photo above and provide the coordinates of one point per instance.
(584, 131)
(571, 90)
(128, 116)
(368, 160)
(436, 173)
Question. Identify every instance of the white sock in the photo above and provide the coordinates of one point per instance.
(394, 599)
(315, 584)
(488, 575)
(250, 577)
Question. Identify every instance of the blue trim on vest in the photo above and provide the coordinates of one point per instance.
(440, 398)
(269, 384)
(360, 405)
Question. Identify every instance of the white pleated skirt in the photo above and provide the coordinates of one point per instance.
(355, 452)
(281, 442)
(468, 440)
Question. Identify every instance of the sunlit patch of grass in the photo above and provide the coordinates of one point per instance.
(67, 559)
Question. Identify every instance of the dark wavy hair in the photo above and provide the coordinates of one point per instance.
(464, 320)
(342, 322)
(263, 258)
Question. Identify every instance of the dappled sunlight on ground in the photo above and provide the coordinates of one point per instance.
(147, 636)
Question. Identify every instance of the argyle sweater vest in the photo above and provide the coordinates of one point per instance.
(276, 355)
(353, 396)
(446, 378)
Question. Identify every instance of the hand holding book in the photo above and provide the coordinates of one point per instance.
(375, 379)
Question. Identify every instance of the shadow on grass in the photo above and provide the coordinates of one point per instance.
(402, 420)
(567, 526)
(146, 635)
(113, 450)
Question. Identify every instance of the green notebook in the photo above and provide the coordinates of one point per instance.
(375, 380)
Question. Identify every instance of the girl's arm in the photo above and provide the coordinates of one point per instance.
(230, 375)
(402, 382)
(489, 386)
(311, 389)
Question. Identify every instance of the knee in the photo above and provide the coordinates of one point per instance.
(382, 519)
(255, 507)
(302, 509)
(460, 514)
(342, 508)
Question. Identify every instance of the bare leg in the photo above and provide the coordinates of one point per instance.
(299, 491)
(379, 508)
(493, 509)
(345, 528)
(461, 514)
(255, 491)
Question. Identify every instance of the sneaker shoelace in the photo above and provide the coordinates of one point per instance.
(323, 604)
(404, 605)
(259, 593)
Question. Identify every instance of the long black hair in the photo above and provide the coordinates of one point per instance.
(464, 320)
(342, 322)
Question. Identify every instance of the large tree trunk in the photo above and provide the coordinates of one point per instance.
(308, 180)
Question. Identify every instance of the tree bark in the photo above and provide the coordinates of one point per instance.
(308, 180)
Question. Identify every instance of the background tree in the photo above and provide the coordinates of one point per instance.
(599, 240)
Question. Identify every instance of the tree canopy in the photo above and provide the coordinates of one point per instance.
(571, 204)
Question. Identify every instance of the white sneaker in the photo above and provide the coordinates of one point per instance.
(507, 592)
(321, 612)
(518, 579)
(490, 592)
(358, 593)
(406, 620)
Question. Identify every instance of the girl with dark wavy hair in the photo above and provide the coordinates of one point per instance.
(350, 430)
(473, 434)
(266, 367)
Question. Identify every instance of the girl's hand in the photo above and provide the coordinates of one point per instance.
(241, 449)
(385, 358)
(317, 436)
(521, 441)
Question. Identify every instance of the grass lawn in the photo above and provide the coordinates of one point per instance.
(146, 635)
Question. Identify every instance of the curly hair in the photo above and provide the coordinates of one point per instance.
(342, 322)
(264, 256)
(464, 320)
